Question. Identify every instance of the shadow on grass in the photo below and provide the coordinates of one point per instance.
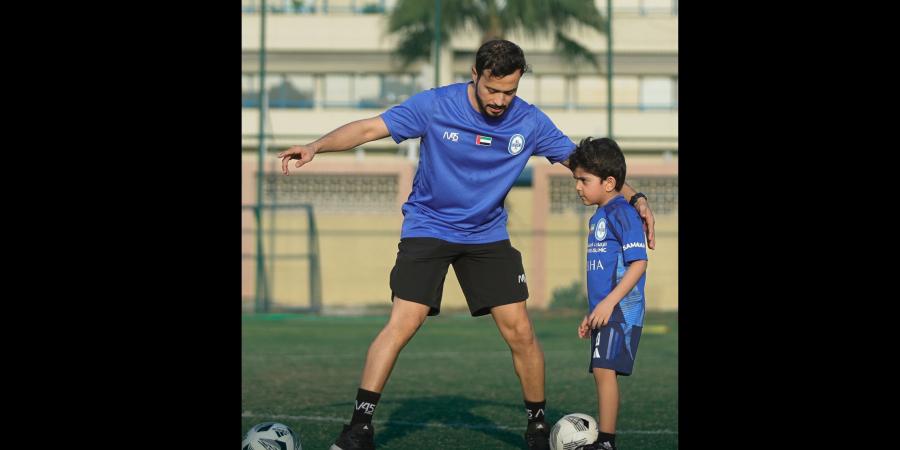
(453, 412)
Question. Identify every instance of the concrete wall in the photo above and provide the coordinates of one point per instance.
(358, 250)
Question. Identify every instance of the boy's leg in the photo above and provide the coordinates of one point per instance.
(613, 347)
(607, 398)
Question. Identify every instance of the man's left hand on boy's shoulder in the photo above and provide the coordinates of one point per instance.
(643, 209)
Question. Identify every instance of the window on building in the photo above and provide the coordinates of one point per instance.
(657, 92)
(338, 90)
(341, 90)
(552, 91)
(528, 88)
(289, 91)
(626, 92)
(298, 91)
(275, 89)
(642, 7)
(303, 6)
(657, 6)
(339, 6)
(368, 91)
(590, 91)
(399, 87)
(249, 90)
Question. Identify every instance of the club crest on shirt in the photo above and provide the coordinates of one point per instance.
(516, 144)
(600, 229)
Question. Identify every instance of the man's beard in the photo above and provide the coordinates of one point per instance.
(481, 106)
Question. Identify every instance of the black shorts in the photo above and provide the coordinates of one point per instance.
(490, 274)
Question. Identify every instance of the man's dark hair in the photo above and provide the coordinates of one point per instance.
(601, 157)
(501, 57)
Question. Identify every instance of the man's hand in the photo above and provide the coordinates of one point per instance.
(302, 153)
(643, 209)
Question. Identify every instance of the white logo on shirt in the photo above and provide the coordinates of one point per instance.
(451, 136)
(521, 278)
(632, 245)
(516, 144)
(600, 230)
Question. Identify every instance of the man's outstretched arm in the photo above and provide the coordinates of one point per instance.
(343, 138)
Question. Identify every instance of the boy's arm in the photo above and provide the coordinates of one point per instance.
(343, 138)
(601, 313)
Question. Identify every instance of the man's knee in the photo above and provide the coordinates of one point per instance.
(520, 335)
(406, 318)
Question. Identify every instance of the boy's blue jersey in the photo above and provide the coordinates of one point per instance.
(468, 162)
(616, 238)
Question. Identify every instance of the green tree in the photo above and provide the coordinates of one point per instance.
(413, 22)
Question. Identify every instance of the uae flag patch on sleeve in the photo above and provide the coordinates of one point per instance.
(483, 140)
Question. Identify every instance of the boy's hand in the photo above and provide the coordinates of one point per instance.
(600, 315)
(583, 330)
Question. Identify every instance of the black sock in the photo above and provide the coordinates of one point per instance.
(535, 411)
(366, 401)
(607, 437)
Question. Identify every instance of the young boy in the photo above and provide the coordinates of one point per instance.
(616, 261)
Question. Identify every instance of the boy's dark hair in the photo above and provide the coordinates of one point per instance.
(601, 157)
(501, 57)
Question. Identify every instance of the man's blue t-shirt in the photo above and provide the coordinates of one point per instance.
(616, 239)
(468, 162)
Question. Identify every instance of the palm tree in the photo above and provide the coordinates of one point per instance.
(413, 21)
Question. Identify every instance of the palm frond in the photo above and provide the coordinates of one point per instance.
(573, 51)
(546, 16)
(565, 13)
(413, 22)
(414, 45)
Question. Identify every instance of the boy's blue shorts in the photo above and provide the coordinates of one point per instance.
(614, 346)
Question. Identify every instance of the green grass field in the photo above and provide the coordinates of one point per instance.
(453, 386)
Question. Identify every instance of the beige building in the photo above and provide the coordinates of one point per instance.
(329, 62)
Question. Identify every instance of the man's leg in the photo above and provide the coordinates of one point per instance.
(406, 318)
(528, 359)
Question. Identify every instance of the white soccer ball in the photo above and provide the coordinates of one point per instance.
(271, 436)
(573, 431)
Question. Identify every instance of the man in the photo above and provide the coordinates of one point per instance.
(476, 139)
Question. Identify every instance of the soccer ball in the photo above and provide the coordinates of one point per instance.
(271, 436)
(573, 431)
